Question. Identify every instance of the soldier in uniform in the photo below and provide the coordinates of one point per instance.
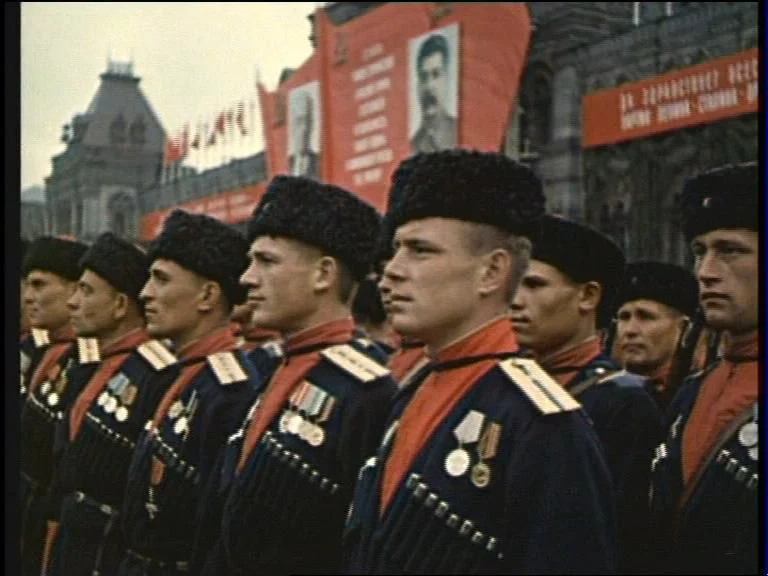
(564, 297)
(33, 342)
(105, 420)
(704, 493)
(655, 308)
(51, 271)
(196, 263)
(487, 465)
(409, 354)
(287, 476)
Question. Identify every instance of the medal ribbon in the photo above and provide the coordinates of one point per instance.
(289, 375)
(115, 355)
(60, 346)
(222, 340)
(438, 395)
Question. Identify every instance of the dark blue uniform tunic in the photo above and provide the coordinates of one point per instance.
(283, 513)
(715, 531)
(547, 507)
(158, 518)
(89, 482)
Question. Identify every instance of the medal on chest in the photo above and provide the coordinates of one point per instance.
(468, 431)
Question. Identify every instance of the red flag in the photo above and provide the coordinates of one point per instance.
(196, 140)
(221, 123)
(240, 119)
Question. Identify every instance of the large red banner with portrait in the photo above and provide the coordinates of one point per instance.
(380, 87)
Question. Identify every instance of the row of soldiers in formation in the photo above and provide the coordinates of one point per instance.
(492, 429)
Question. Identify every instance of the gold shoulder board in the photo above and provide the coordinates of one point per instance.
(88, 350)
(156, 354)
(40, 337)
(227, 368)
(356, 363)
(540, 388)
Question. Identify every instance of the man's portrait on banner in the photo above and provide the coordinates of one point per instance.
(434, 90)
(304, 130)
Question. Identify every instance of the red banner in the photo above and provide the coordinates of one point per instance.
(699, 94)
(402, 78)
(231, 207)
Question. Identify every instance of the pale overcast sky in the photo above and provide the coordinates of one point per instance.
(194, 59)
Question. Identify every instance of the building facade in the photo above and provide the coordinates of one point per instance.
(627, 189)
(113, 151)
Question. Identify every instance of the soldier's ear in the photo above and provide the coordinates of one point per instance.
(326, 273)
(210, 296)
(589, 297)
(122, 305)
(496, 272)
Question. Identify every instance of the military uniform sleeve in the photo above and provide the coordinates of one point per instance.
(560, 516)
(225, 414)
(363, 428)
(637, 428)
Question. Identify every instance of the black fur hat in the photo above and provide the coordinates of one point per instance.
(481, 187)
(122, 264)
(56, 255)
(205, 246)
(725, 197)
(661, 282)
(584, 255)
(320, 215)
(397, 185)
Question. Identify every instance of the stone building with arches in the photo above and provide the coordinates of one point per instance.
(113, 151)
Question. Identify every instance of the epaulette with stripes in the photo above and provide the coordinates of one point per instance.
(227, 368)
(355, 363)
(40, 337)
(88, 350)
(156, 354)
(538, 386)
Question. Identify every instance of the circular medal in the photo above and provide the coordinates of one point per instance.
(748, 434)
(175, 410)
(181, 425)
(457, 462)
(305, 429)
(102, 399)
(53, 399)
(316, 436)
(282, 424)
(122, 414)
(294, 423)
(753, 452)
(481, 475)
(111, 405)
(45, 388)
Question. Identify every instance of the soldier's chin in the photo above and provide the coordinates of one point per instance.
(157, 330)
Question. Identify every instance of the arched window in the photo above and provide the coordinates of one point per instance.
(117, 130)
(138, 132)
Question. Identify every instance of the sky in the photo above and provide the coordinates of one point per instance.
(194, 59)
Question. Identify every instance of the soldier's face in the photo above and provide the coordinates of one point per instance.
(94, 308)
(545, 310)
(726, 265)
(171, 297)
(430, 286)
(647, 333)
(432, 84)
(280, 281)
(46, 295)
